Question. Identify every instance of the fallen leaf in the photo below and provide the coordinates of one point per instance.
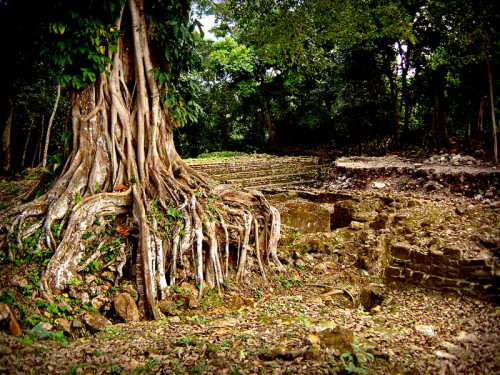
(121, 187)
(124, 231)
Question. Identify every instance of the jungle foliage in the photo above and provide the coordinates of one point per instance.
(299, 72)
(278, 73)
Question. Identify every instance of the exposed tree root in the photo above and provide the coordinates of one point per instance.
(124, 164)
(201, 235)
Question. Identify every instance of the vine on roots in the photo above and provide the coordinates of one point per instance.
(124, 164)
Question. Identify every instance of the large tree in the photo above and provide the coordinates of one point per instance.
(124, 62)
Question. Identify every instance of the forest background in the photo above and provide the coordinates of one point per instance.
(280, 74)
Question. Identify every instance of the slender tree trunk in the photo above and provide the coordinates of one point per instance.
(395, 107)
(493, 120)
(49, 127)
(479, 127)
(393, 86)
(27, 142)
(39, 145)
(404, 86)
(268, 124)
(439, 129)
(225, 130)
(6, 127)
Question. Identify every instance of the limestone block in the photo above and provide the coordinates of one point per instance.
(476, 262)
(401, 250)
(420, 258)
(452, 253)
(433, 280)
(417, 276)
(435, 257)
(306, 217)
(393, 272)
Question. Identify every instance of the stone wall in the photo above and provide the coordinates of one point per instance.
(445, 270)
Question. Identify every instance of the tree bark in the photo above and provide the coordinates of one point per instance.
(439, 129)
(6, 127)
(479, 127)
(47, 136)
(493, 120)
(124, 163)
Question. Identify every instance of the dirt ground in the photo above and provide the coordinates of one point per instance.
(309, 319)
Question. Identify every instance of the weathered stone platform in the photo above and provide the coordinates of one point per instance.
(396, 216)
(264, 171)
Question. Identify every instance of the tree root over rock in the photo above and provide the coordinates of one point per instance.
(124, 164)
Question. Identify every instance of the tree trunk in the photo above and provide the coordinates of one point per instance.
(269, 126)
(439, 129)
(493, 121)
(479, 127)
(405, 97)
(124, 162)
(38, 148)
(47, 137)
(394, 89)
(6, 127)
(27, 142)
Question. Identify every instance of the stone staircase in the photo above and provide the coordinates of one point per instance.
(264, 171)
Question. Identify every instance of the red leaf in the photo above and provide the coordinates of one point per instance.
(120, 187)
(124, 231)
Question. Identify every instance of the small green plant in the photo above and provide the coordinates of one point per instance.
(304, 320)
(38, 333)
(73, 369)
(77, 197)
(56, 230)
(74, 281)
(354, 362)
(199, 369)
(186, 340)
(93, 266)
(196, 318)
(33, 320)
(89, 307)
(113, 330)
(174, 213)
(53, 309)
(7, 297)
(87, 235)
(22, 308)
(287, 282)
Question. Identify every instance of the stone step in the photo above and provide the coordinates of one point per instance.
(266, 180)
(237, 167)
(287, 185)
(266, 173)
(263, 171)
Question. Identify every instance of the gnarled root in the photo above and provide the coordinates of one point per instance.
(198, 232)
